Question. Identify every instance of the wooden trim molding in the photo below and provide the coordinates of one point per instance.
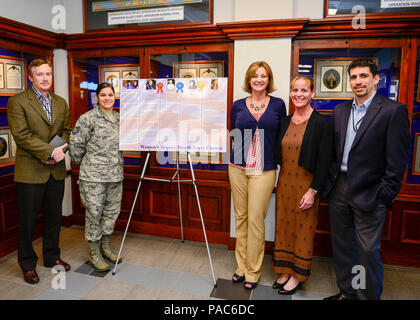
(283, 28)
(17, 31)
(396, 25)
(208, 33)
(145, 36)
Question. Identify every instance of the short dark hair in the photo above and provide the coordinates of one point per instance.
(102, 86)
(364, 62)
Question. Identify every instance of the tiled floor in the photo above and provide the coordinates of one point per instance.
(167, 269)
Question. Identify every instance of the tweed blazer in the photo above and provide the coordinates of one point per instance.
(32, 132)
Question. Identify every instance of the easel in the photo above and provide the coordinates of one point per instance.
(142, 177)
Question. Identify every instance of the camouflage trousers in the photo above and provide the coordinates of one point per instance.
(103, 203)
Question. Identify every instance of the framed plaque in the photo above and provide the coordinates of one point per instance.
(116, 14)
(12, 75)
(198, 69)
(331, 78)
(114, 73)
(7, 147)
(1, 75)
(415, 168)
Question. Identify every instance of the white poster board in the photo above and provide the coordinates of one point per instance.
(177, 114)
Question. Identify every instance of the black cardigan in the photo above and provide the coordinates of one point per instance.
(316, 149)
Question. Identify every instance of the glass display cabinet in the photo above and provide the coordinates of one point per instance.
(326, 62)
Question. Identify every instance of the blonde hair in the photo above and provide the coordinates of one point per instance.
(311, 82)
(251, 71)
(36, 63)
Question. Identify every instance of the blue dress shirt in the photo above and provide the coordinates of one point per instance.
(355, 120)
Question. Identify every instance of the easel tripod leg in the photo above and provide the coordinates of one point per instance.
(132, 210)
(201, 216)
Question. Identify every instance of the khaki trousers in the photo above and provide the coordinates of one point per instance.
(251, 197)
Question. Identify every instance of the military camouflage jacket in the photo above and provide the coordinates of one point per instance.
(94, 144)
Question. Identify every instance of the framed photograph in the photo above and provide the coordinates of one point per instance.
(331, 78)
(12, 75)
(415, 168)
(116, 14)
(7, 151)
(198, 69)
(114, 73)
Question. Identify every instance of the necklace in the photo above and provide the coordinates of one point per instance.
(257, 108)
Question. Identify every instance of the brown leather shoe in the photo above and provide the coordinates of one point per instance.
(31, 276)
(61, 263)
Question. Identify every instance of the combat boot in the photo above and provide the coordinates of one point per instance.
(95, 257)
(107, 252)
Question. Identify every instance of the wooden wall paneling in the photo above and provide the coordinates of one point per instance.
(80, 97)
(410, 231)
(377, 25)
(129, 194)
(27, 34)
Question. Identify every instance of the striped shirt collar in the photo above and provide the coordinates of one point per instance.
(40, 96)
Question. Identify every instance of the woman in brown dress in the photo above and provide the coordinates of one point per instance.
(303, 151)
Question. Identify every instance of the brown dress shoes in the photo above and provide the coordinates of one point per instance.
(61, 263)
(31, 276)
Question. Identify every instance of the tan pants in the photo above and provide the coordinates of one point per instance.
(251, 197)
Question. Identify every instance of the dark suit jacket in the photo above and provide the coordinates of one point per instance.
(378, 155)
(32, 132)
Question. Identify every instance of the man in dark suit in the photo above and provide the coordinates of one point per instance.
(371, 149)
(35, 117)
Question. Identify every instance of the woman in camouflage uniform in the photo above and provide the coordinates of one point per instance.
(94, 146)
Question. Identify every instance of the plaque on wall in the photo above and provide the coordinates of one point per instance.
(7, 147)
(12, 75)
(331, 78)
(416, 155)
(198, 69)
(116, 14)
(114, 73)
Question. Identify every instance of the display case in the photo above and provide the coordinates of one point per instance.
(157, 209)
(326, 61)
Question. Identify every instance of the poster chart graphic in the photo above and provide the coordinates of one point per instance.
(177, 114)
